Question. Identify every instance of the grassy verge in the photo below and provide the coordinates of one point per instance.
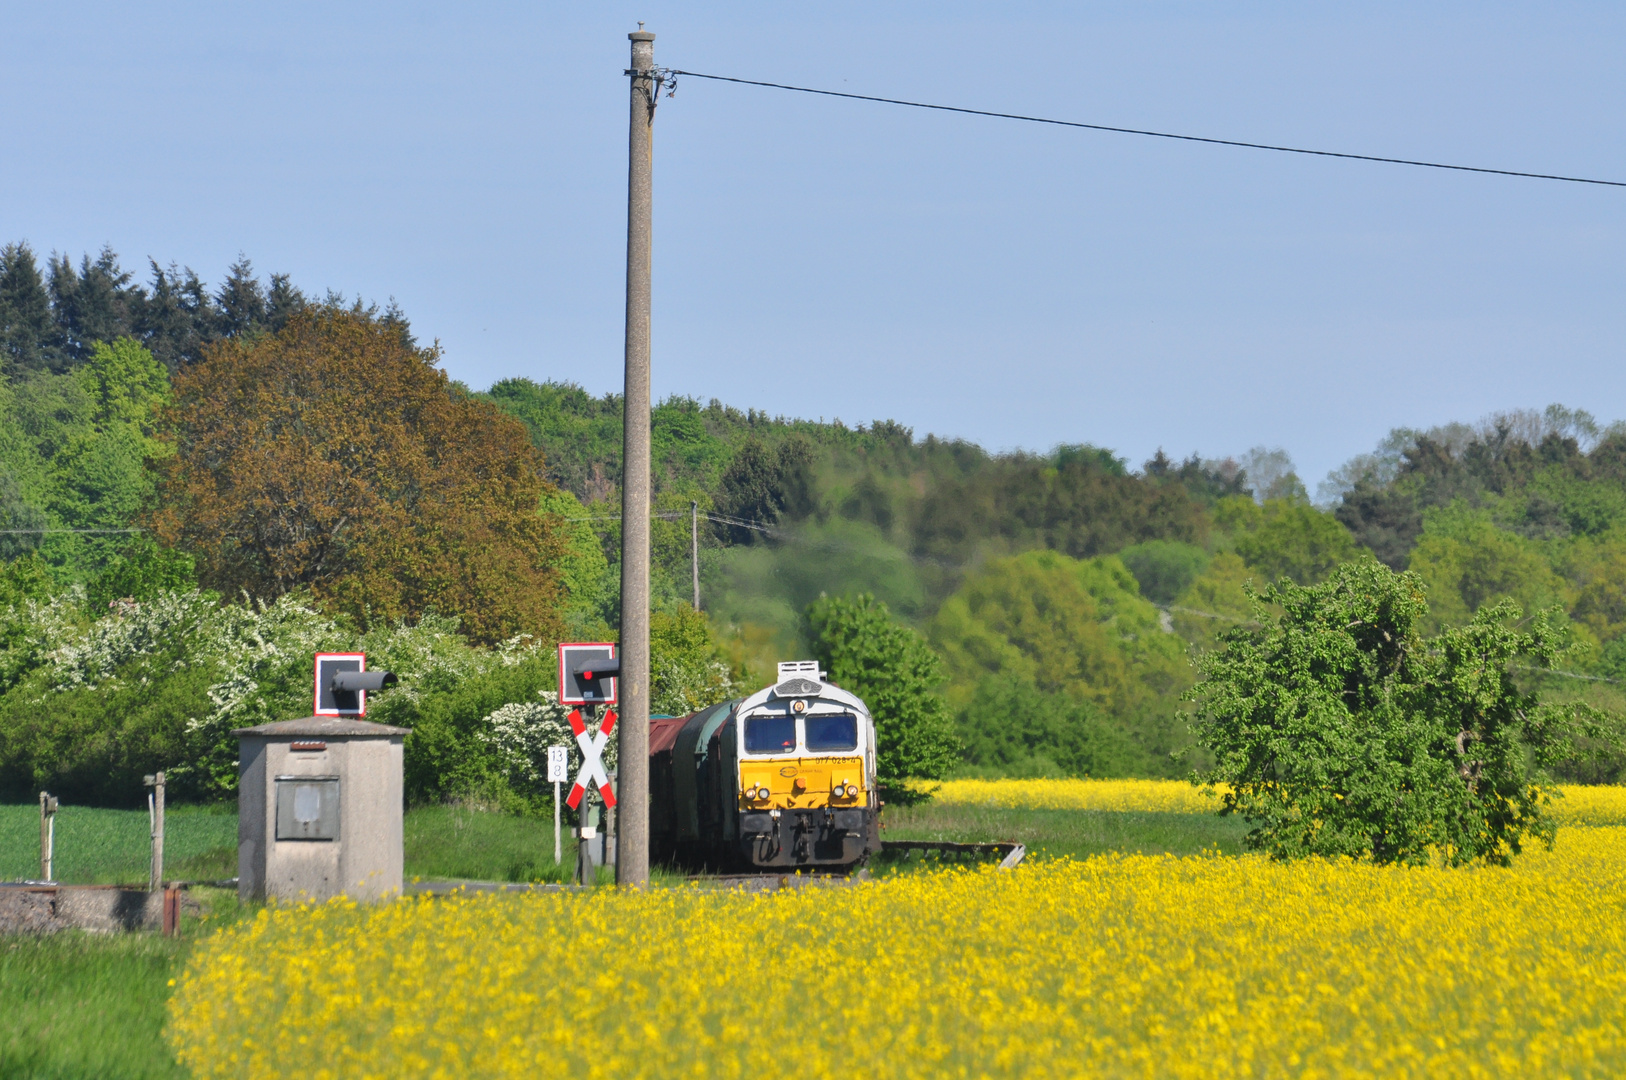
(458, 844)
(1077, 833)
(91, 1006)
(444, 843)
(79, 1005)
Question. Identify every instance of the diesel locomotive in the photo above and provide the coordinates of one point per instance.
(784, 778)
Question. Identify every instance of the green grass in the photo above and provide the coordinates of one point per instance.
(79, 1005)
(106, 847)
(1059, 833)
(112, 847)
(458, 844)
(76, 1005)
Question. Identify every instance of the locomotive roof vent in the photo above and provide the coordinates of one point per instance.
(799, 678)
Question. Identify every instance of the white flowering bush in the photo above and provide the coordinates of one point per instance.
(264, 654)
(518, 735)
(33, 631)
(173, 623)
(167, 681)
(91, 699)
(682, 685)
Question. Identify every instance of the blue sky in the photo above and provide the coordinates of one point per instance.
(1012, 284)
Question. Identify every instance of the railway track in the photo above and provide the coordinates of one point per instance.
(1010, 856)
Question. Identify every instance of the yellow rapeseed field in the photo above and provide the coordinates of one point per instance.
(1575, 806)
(1116, 966)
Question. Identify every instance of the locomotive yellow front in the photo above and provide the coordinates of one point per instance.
(783, 778)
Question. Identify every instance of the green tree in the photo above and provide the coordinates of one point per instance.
(1286, 538)
(763, 484)
(1012, 728)
(27, 333)
(1338, 729)
(141, 571)
(1468, 563)
(687, 668)
(1164, 568)
(583, 570)
(98, 478)
(1216, 600)
(126, 386)
(897, 675)
(1600, 568)
(92, 305)
(1073, 627)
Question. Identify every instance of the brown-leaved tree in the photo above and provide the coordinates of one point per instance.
(335, 457)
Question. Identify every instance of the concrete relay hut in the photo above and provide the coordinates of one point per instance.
(319, 810)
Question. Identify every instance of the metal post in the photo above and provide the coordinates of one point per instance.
(172, 911)
(558, 852)
(633, 866)
(584, 841)
(694, 548)
(155, 813)
(47, 836)
(608, 844)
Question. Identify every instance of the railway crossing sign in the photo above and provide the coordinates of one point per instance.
(592, 747)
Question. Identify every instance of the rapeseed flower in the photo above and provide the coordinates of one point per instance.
(1572, 804)
(1114, 966)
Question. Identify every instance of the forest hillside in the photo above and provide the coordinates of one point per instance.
(200, 486)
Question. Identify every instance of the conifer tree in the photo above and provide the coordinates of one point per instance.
(91, 305)
(26, 330)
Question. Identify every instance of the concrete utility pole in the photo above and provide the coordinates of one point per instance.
(632, 864)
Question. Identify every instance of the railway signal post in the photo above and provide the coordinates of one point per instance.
(632, 867)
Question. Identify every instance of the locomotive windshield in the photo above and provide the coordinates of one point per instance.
(826, 733)
(770, 734)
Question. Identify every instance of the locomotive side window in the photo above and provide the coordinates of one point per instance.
(829, 733)
(770, 734)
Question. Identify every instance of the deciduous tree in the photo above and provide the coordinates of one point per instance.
(1338, 729)
(333, 456)
(897, 675)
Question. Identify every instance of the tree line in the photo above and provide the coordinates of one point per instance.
(274, 452)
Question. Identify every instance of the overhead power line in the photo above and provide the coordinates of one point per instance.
(1151, 134)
